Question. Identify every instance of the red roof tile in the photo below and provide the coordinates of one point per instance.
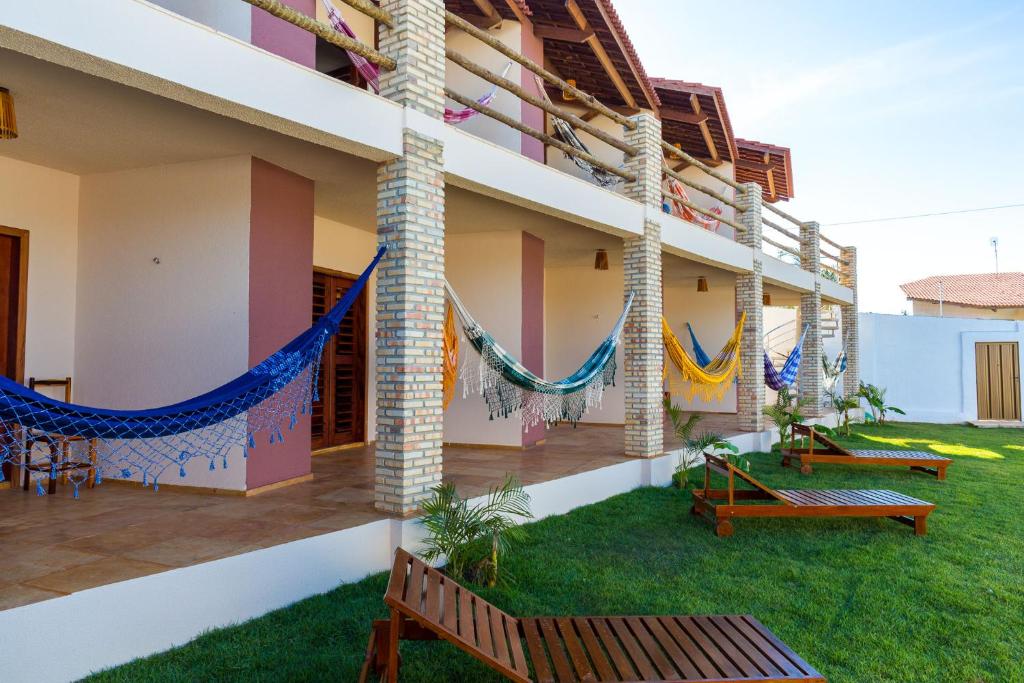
(981, 290)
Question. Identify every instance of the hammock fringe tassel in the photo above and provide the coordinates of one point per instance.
(708, 378)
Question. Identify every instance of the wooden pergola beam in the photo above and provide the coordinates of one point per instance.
(489, 13)
(704, 129)
(516, 10)
(602, 56)
(680, 116)
(562, 33)
(753, 165)
(770, 175)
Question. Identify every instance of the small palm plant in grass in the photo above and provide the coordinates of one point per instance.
(473, 539)
(842, 405)
(695, 446)
(785, 412)
(875, 396)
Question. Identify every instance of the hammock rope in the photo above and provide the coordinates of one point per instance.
(508, 387)
(146, 443)
(709, 377)
(786, 377)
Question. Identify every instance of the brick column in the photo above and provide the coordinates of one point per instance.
(410, 279)
(642, 341)
(750, 299)
(812, 377)
(850, 323)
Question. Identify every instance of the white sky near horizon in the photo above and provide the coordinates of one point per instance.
(890, 109)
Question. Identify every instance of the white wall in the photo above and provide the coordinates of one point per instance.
(701, 178)
(233, 18)
(713, 316)
(465, 83)
(602, 150)
(347, 249)
(580, 307)
(486, 270)
(928, 364)
(184, 322)
(45, 202)
(955, 311)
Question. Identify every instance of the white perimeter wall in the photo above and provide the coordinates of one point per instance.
(580, 307)
(713, 316)
(341, 247)
(486, 270)
(185, 321)
(928, 364)
(461, 81)
(45, 202)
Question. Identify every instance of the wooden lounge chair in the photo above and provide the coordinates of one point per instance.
(798, 503)
(427, 605)
(820, 448)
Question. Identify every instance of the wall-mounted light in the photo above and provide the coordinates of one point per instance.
(8, 123)
(766, 299)
(702, 284)
(567, 96)
(601, 260)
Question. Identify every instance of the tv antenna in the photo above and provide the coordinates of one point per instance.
(995, 251)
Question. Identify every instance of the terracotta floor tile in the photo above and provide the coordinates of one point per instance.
(15, 595)
(98, 573)
(184, 551)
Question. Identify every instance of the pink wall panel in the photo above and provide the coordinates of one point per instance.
(280, 285)
(533, 47)
(533, 318)
(282, 38)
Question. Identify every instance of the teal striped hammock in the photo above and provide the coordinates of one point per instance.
(508, 387)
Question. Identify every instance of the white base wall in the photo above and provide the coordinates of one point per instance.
(928, 364)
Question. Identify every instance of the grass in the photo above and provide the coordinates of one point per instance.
(860, 599)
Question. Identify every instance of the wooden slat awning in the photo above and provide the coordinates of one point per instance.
(768, 165)
(694, 116)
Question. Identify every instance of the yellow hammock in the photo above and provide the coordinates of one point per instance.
(712, 381)
(451, 357)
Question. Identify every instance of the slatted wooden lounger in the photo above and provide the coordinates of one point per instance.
(829, 451)
(799, 503)
(427, 605)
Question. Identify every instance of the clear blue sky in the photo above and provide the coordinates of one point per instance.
(890, 107)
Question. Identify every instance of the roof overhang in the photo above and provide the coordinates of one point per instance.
(768, 165)
(694, 117)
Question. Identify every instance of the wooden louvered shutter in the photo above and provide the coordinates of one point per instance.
(339, 417)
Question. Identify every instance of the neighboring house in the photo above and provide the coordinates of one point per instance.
(973, 295)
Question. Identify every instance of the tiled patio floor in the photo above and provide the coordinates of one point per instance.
(54, 545)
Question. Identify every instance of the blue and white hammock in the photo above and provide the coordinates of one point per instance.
(145, 443)
(508, 387)
(834, 370)
(773, 379)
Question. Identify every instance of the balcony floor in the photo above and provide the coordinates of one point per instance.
(55, 545)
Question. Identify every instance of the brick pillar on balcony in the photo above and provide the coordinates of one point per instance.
(410, 279)
(812, 378)
(642, 341)
(849, 321)
(750, 396)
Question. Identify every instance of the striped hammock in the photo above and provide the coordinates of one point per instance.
(368, 70)
(466, 113)
(708, 377)
(508, 387)
(688, 214)
(834, 370)
(786, 377)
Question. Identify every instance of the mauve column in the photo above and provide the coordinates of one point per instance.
(280, 282)
(278, 36)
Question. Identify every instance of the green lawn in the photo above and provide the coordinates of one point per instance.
(860, 599)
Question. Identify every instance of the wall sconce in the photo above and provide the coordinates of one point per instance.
(766, 299)
(566, 95)
(8, 123)
(601, 260)
(702, 284)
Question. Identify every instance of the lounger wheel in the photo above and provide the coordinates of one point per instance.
(723, 528)
(694, 510)
(806, 469)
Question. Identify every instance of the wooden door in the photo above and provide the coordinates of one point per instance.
(998, 367)
(339, 417)
(13, 274)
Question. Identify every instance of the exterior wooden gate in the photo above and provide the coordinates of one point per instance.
(998, 365)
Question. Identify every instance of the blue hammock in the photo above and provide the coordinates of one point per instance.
(773, 379)
(147, 442)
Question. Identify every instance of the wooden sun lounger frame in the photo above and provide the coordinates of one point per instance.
(721, 514)
(714, 649)
(830, 452)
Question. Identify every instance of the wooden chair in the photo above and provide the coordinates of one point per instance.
(820, 448)
(58, 445)
(427, 605)
(799, 503)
